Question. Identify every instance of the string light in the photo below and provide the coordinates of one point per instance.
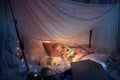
(18, 41)
(17, 54)
(35, 70)
(30, 66)
(65, 79)
(35, 75)
(23, 65)
(22, 60)
(18, 48)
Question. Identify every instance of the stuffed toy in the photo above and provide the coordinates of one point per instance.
(70, 51)
(55, 61)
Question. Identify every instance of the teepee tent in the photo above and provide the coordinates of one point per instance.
(34, 22)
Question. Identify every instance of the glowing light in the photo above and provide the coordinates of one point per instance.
(65, 79)
(46, 41)
(17, 54)
(30, 66)
(18, 48)
(23, 65)
(22, 60)
(17, 41)
(35, 70)
(35, 75)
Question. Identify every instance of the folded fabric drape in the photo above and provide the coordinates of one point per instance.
(66, 20)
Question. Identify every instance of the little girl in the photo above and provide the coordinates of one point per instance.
(70, 54)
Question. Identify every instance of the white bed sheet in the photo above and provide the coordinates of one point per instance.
(99, 58)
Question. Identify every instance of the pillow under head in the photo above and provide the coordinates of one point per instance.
(50, 49)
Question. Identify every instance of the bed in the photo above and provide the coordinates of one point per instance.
(46, 52)
(54, 60)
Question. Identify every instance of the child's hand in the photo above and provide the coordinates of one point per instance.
(68, 55)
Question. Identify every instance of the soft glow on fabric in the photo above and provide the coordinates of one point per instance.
(63, 20)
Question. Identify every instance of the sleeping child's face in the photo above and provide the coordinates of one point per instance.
(58, 47)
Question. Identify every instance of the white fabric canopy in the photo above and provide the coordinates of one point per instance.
(65, 20)
(53, 20)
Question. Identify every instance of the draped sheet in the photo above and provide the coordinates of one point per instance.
(65, 20)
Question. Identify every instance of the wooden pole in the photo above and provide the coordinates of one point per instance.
(90, 38)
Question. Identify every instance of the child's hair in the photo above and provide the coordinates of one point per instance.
(57, 47)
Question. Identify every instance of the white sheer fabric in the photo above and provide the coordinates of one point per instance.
(39, 19)
(64, 20)
(80, 11)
